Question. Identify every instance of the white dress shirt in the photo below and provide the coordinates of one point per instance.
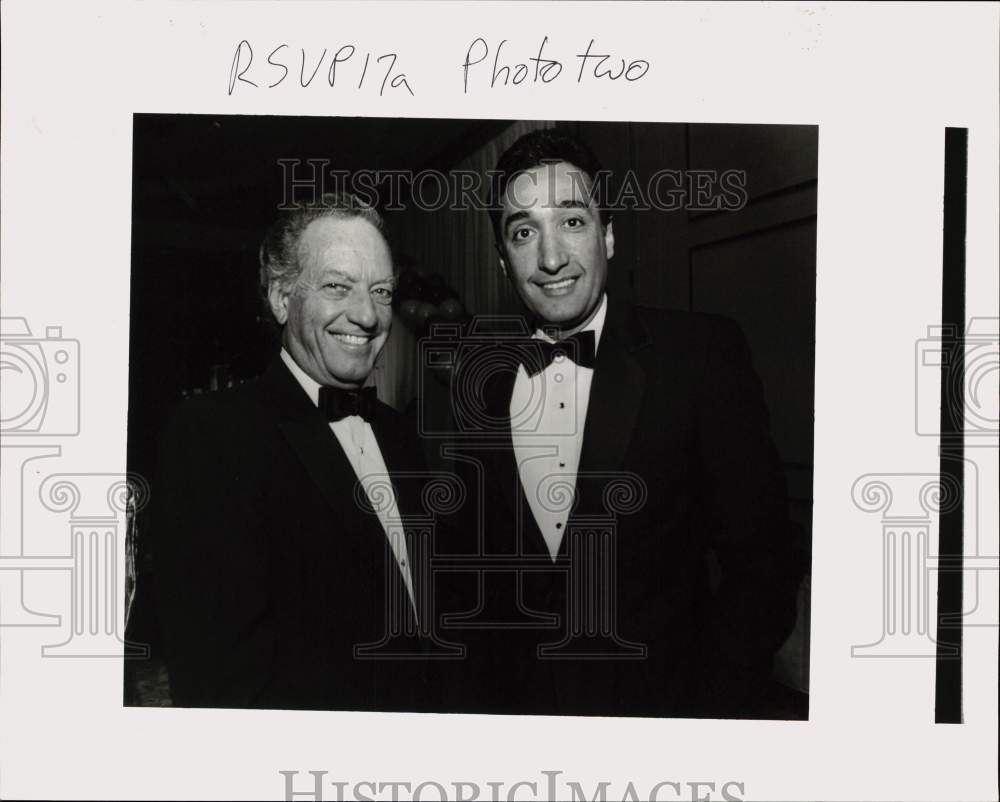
(547, 415)
(358, 441)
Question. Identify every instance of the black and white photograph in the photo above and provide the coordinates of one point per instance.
(499, 401)
(473, 416)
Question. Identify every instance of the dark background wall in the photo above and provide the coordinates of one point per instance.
(756, 265)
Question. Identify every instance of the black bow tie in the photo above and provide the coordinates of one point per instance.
(336, 403)
(580, 347)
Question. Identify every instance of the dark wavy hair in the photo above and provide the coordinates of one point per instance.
(536, 148)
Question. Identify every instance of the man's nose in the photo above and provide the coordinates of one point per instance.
(551, 253)
(361, 311)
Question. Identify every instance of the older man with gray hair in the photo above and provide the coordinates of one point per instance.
(278, 537)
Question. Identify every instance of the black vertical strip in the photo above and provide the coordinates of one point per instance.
(633, 268)
(687, 211)
(948, 686)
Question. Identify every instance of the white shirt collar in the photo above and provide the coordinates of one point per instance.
(309, 384)
(596, 324)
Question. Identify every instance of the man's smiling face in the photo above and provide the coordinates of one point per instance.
(337, 315)
(555, 248)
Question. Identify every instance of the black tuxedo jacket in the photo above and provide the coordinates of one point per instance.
(268, 571)
(706, 567)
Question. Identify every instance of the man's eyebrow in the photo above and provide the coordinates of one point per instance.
(574, 204)
(514, 218)
(333, 272)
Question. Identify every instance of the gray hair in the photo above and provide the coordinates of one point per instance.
(279, 252)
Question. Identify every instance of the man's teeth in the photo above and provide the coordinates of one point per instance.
(351, 339)
(558, 285)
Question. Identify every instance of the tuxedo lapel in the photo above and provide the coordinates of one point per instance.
(390, 443)
(408, 485)
(500, 468)
(615, 393)
(498, 396)
(399, 461)
(309, 436)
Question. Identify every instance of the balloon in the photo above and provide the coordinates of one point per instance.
(452, 308)
(408, 284)
(408, 310)
(425, 312)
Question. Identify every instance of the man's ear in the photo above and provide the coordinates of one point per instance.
(277, 298)
(609, 239)
(501, 259)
